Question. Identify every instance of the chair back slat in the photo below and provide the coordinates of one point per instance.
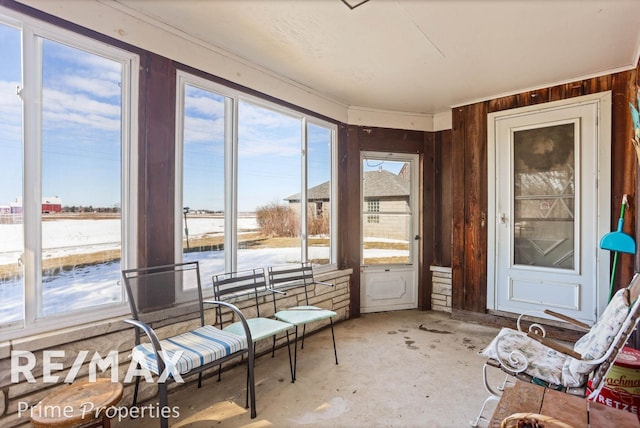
(279, 275)
(235, 282)
(293, 275)
(251, 281)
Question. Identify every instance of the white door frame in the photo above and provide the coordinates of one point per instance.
(601, 182)
(396, 285)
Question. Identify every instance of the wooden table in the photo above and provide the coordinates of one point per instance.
(81, 404)
(575, 411)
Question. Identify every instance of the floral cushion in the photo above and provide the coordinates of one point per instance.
(542, 362)
(552, 366)
(597, 341)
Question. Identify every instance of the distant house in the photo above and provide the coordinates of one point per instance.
(49, 205)
(384, 193)
(16, 206)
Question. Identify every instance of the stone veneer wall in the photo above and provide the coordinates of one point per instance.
(115, 335)
(441, 294)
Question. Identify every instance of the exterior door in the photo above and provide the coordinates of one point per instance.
(389, 255)
(551, 205)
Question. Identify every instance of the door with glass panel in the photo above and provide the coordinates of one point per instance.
(546, 210)
(389, 274)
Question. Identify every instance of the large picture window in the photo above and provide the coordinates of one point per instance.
(66, 115)
(255, 180)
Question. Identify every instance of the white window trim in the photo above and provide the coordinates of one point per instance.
(32, 29)
(234, 97)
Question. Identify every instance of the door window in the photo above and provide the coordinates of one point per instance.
(386, 217)
(544, 195)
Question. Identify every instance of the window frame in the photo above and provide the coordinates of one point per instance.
(32, 32)
(233, 99)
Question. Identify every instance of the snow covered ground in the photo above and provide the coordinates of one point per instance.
(86, 286)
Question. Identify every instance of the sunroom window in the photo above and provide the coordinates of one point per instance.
(66, 127)
(252, 175)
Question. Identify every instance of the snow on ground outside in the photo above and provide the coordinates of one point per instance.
(88, 286)
(62, 237)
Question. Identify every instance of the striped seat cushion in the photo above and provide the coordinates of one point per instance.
(199, 347)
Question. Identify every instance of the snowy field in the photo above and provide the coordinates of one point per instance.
(64, 237)
(88, 286)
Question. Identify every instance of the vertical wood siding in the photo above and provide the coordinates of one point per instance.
(359, 139)
(470, 186)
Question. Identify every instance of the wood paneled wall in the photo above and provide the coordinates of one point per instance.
(355, 139)
(156, 161)
(441, 206)
(470, 180)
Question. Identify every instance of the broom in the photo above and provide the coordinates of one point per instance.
(618, 241)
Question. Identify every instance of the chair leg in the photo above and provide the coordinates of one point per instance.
(295, 355)
(249, 377)
(290, 361)
(504, 383)
(273, 347)
(493, 395)
(252, 384)
(480, 417)
(304, 330)
(164, 421)
(488, 387)
(135, 392)
(246, 395)
(335, 351)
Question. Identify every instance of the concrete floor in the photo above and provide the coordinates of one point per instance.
(397, 369)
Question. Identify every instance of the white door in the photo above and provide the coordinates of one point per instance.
(550, 196)
(389, 201)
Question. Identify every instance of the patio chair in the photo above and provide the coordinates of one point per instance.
(295, 275)
(189, 350)
(532, 357)
(254, 283)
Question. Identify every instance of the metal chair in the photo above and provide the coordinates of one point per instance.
(152, 298)
(254, 283)
(532, 357)
(296, 275)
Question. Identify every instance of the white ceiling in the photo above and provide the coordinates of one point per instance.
(416, 56)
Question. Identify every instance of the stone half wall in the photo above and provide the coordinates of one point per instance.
(115, 335)
(441, 294)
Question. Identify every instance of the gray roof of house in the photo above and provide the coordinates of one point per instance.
(377, 184)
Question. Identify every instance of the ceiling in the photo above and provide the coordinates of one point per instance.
(415, 56)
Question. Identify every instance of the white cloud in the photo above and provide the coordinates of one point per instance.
(198, 129)
(205, 105)
(8, 95)
(10, 113)
(80, 109)
(98, 87)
